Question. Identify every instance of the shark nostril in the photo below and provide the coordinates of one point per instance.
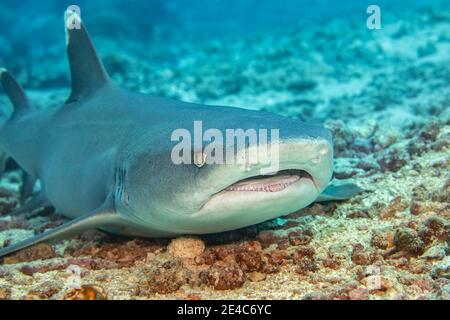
(324, 150)
(317, 159)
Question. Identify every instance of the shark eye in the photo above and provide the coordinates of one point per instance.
(199, 158)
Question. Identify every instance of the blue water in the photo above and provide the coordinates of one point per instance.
(235, 52)
(27, 25)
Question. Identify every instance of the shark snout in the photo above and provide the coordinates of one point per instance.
(288, 178)
(312, 156)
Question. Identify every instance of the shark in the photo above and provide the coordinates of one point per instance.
(104, 161)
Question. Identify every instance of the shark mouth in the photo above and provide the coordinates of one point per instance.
(262, 197)
(275, 183)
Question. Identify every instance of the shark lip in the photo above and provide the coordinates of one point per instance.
(260, 188)
(265, 183)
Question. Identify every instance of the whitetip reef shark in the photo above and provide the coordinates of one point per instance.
(104, 160)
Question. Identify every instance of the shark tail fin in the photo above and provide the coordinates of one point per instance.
(15, 93)
(88, 74)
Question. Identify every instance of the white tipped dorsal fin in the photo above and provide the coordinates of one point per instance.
(87, 71)
(15, 92)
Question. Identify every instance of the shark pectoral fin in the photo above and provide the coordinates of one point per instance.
(339, 192)
(15, 92)
(38, 201)
(87, 71)
(98, 218)
(26, 189)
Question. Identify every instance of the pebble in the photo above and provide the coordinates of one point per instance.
(186, 247)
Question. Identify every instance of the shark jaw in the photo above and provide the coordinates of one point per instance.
(263, 188)
(276, 183)
(257, 199)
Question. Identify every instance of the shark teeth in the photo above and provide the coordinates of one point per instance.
(272, 184)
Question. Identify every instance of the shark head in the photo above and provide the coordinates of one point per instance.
(293, 165)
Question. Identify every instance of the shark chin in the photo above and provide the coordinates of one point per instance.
(257, 199)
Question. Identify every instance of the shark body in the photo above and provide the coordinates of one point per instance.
(104, 160)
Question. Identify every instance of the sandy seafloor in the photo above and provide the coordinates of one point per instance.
(386, 96)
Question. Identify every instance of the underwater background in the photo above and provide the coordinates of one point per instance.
(385, 94)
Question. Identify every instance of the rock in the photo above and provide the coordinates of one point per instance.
(43, 268)
(300, 85)
(8, 204)
(433, 229)
(416, 208)
(223, 277)
(436, 252)
(342, 135)
(267, 238)
(302, 237)
(166, 277)
(14, 222)
(382, 239)
(249, 261)
(304, 258)
(331, 263)
(393, 160)
(45, 291)
(441, 272)
(362, 257)
(395, 206)
(256, 276)
(443, 194)
(86, 292)
(41, 251)
(377, 284)
(124, 255)
(385, 140)
(358, 294)
(5, 293)
(341, 292)
(186, 247)
(408, 241)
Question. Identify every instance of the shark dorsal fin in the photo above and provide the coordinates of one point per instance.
(15, 93)
(88, 74)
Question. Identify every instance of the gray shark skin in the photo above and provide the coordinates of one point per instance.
(104, 160)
